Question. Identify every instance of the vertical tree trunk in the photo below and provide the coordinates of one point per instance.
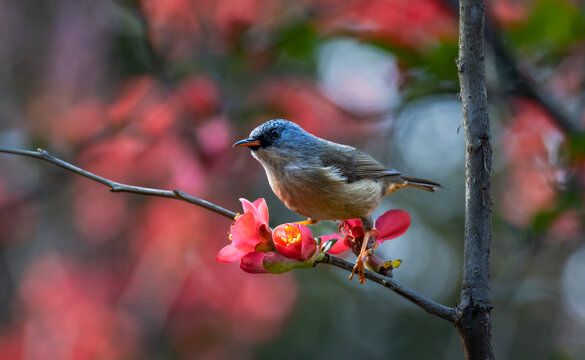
(473, 320)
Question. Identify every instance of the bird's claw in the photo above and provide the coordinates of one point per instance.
(360, 270)
(360, 265)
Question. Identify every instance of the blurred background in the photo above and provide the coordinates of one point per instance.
(154, 93)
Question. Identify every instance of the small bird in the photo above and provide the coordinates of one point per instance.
(323, 180)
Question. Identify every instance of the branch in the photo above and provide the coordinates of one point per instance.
(118, 187)
(430, 306)
(473, 319)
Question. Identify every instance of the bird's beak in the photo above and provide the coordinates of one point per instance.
(247, 142)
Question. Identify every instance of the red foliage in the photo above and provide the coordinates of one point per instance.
(302, 101)
(412, 24)
(198, 96)
(510, 12)
(567, 226)
(223, 299)
(176, 25)
(531, 143)
(173, 22)
(11, 344)
(68, 312)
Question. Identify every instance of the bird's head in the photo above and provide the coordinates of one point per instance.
(277, 139)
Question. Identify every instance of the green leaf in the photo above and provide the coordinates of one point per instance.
(328, 245)
(294, 48)
(430, 72)
(553, 25)
(285, 266)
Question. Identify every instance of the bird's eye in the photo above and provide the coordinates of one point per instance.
(275, 133)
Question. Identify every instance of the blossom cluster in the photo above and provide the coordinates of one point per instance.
(260, 249)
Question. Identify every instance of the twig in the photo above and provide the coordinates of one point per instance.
(430, 306)
(118, 187)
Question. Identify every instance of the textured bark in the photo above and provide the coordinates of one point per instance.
(473, 320)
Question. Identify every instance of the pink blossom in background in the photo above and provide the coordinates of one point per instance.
(532, 143)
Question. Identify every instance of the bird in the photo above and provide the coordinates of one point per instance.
(324, 180)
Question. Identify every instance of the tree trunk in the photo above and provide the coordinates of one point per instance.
(473, 320)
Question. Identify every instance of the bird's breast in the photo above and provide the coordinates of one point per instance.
(322, 193)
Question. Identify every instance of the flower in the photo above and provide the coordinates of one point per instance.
(259, 252)
(249, 233)
(294, 241)
(253, 263)
(270, 262)
(390, 225)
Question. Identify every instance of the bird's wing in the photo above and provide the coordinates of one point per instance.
(355, 165)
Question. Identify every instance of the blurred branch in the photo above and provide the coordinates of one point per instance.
(522, 84)
(430, 306)
(118, 187)
(473, 315)
(518, 82)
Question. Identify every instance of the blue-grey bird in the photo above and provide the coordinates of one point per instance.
(323, 180)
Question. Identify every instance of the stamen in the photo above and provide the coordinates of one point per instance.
(291, 235)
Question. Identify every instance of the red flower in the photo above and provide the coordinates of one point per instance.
(249, 233)
(270, 262)
(294, 246)
(294, 241)
(253, 263)
(390, 225)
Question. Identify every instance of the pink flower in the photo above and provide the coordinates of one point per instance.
(390, 225)
(253, 263)
(294, 241)
(270, 262)
(249, 233)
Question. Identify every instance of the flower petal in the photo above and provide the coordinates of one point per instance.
(309, 244)
(265, 234)
(245, 235)
(353, 227)
(294, 241)
(392, 224)
(250, 208)
(229, 254)
(351, 223)
(260, 204)
(253, 263)
(339, 246)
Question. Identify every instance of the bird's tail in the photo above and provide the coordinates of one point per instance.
(421, 184)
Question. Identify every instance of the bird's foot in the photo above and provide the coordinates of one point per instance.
(360, 265)
(360, 270)
(307, 222)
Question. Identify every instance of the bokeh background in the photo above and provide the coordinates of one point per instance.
(155, 92)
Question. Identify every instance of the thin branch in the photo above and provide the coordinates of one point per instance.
(430, 306)
(118, 187)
